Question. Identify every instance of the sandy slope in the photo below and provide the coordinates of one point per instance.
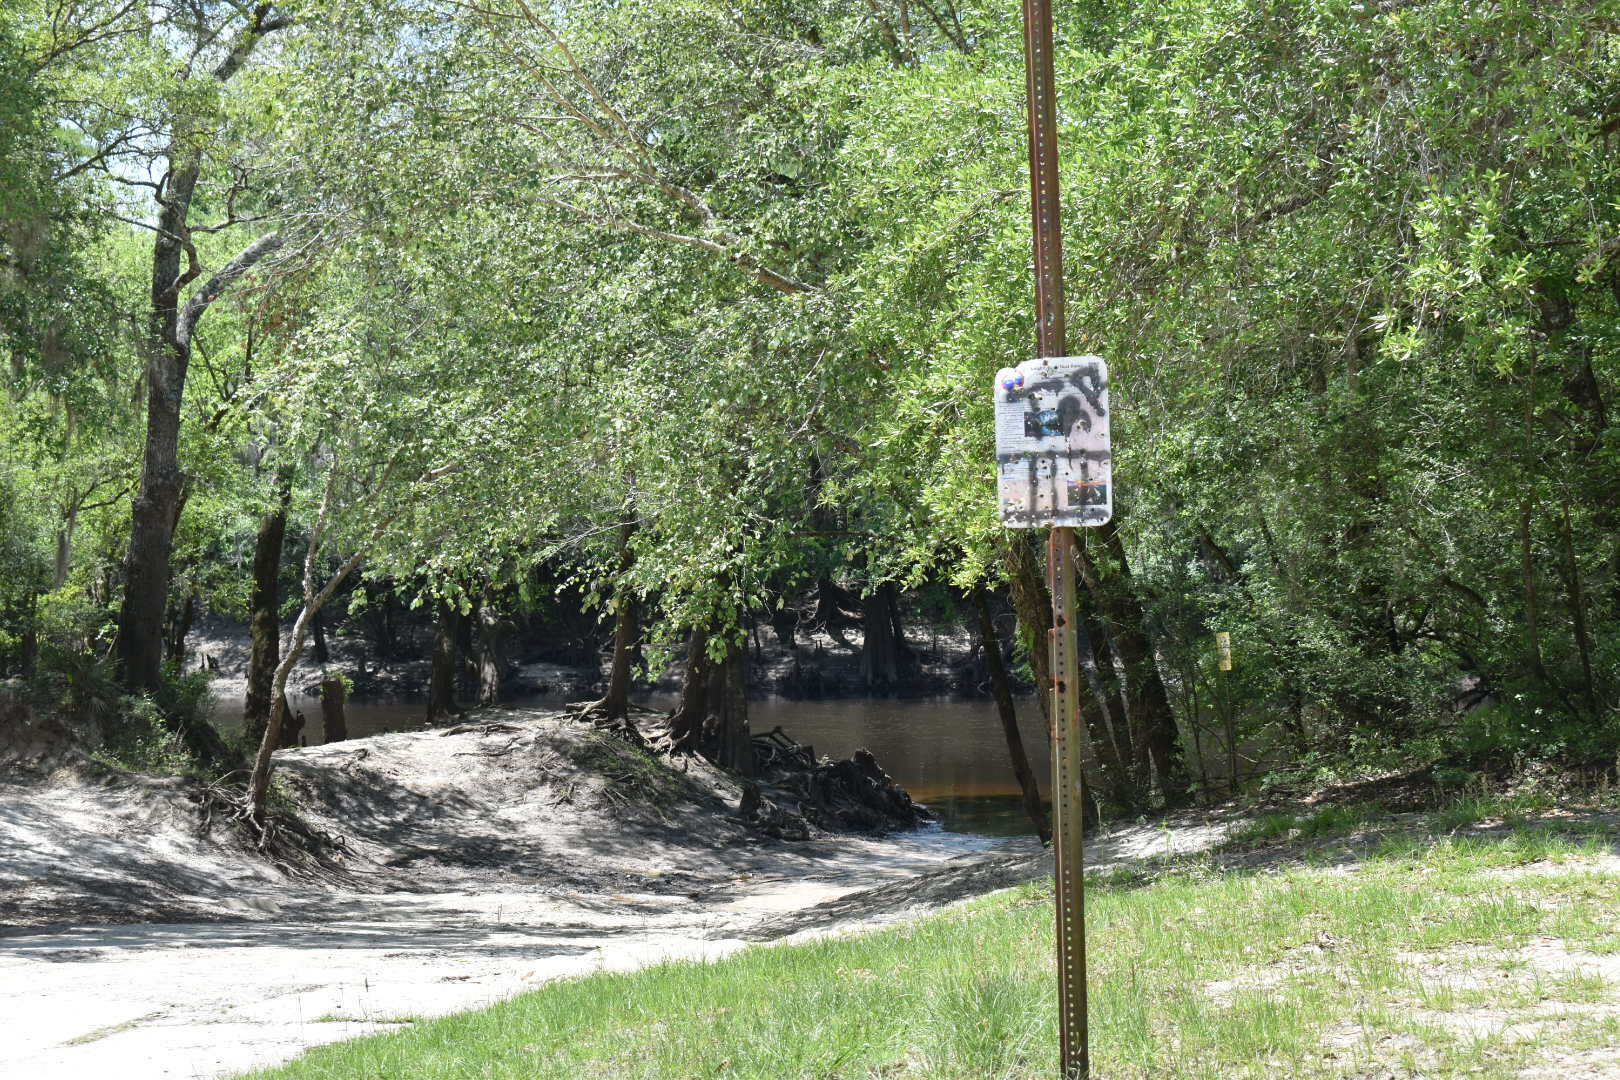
(202, 999)
(480, 861)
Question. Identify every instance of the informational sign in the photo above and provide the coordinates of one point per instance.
(1053, 456)
(1223, 645)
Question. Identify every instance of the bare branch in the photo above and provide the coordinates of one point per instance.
(199, 301)
(260, 23)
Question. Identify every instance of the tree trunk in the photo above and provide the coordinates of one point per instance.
(259, 778)
(897, 629)
(727, 723)
(146, 563)
(274, 731)
(711, 717)
(1001, 685)
(686, 721)
(264, 616)
(1129, 750)
(64, 542)
(334, 725)
(615, 703)
(1577, 608)
(322, 654)
(1149, 704)
(832, 604)
(491, 651)
(884, 654)
(179, 630)
(442, 683)
(292, 726)
(1033, 605)
(785, 622)
(155, 512)
(1532, 605)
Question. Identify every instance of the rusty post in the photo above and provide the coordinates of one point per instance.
(1068, 810)
(1046, 217)
(1046, 209)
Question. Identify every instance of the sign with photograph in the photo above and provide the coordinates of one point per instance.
(1054, 460)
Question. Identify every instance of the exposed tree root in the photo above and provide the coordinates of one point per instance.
(776, 750)
(850, 795)
(492, 728)
(603, 716)
(291, 844)
(795, 795)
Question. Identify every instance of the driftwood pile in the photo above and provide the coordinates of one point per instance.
(795, 795)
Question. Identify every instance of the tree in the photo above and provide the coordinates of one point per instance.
(173, 321)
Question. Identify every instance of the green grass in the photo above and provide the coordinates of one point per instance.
(1280, 825)
(1488, 808)
(1302, 973)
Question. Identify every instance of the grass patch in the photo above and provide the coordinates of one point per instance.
(1527, 844)
(1418, 960)
(1279, 825)
(1487, 808)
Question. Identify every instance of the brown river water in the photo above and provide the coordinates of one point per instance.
(950, 754)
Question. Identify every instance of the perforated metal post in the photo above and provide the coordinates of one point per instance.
(1068, 810)
(1046, 213)
(1046, 208)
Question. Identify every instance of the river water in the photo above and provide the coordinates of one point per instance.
(949, 754)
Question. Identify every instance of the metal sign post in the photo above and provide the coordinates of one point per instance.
(1053, 468)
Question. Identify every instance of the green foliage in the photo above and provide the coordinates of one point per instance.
(135, 732)
(144, 741)
(81, 688)
(739, 275)
(1354, 293)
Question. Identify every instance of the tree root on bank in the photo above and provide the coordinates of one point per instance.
(491, 728)
(289, 843)
(603, 716)
(850, 795)
(793, 795)
(775, 749)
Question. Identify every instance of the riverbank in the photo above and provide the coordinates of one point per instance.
(1475, 943)
(466, 865)
(948, 751)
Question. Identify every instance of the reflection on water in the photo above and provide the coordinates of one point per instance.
(949, 754)
(986, 815)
